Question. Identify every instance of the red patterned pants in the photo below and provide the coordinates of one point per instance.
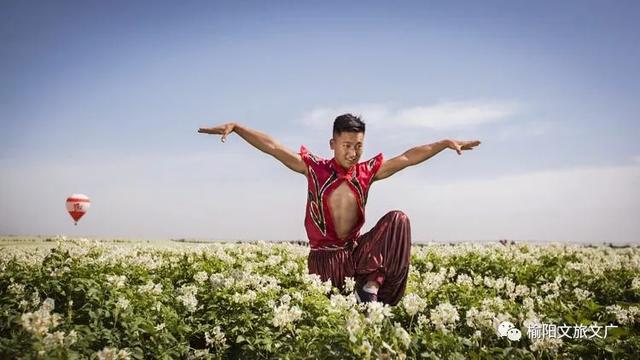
(382, 255)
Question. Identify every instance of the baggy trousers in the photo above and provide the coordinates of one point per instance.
(382, 255)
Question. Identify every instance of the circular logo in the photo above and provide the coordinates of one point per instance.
(504, 327)
(514, 334)
(508, 330)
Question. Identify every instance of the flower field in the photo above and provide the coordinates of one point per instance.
(116, 300)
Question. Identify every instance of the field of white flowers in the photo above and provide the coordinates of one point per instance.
(112, 300)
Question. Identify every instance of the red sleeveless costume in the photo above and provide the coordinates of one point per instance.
(381, 254)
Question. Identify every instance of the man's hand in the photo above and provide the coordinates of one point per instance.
(224, 130)
(262, 142)
(418, 154)
(459, 146)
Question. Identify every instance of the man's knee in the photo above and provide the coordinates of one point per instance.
(398, 216)
(402, 226)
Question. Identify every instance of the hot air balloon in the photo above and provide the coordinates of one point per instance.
(77, 205)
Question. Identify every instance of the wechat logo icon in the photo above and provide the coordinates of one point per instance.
(508, 330)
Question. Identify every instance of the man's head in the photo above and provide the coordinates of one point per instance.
(348, 139)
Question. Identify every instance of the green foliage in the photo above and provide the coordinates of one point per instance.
(221, 301)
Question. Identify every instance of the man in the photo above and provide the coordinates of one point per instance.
(337, 195)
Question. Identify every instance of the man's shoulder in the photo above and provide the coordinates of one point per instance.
(306, 154)
(372, 163)
(316, 161)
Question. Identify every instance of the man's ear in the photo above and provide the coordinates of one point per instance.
(332, 144)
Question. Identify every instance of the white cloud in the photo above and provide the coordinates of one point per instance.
(450, 115)
(211, 195)
(531, 128)
(371, 113)
(597, 204)
(441, 116)
(216, 195)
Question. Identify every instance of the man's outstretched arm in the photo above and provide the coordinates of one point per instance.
(419, 154)
(262, 142)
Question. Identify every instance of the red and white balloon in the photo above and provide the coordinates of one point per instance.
(77, 206)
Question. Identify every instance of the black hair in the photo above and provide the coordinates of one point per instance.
(348, 123)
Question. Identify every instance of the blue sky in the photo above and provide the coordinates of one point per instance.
(105, 99)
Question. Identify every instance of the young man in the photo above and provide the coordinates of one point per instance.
(337, 194)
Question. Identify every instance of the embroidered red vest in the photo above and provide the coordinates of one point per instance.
(324, 177)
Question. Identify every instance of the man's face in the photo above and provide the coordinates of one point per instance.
(347, 148)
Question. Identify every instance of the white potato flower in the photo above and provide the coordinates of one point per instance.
(353, 325)
(109, 353)
(283, 315)
(40, 321)
(444, 316)
(48, 304)
(317, 284)
(289, 267)
(624, 316)
(150, 288)
(413, 304)
(71, 338)
(217, 338)
(423, 320)
(548, 344)
(582, 295)
(464, 280)
(433, 281)
(122, 303)
(340, 303)
(200, 277)
(16, 289)
(285, 299)
(273, 260)
(349, 284)
(377, 312)
(366, 347)
(117, 281)
(297, 296)
(188, 297)
(402, 335)
(54, 340)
